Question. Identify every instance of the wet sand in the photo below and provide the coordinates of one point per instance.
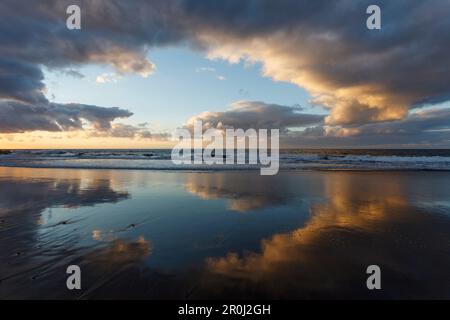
(193, 235)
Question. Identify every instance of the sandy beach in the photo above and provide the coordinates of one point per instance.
(188, 235)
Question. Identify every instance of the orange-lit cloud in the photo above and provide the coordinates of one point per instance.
(359, 76)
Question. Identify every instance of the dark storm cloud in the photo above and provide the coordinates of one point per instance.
(256, 115)
(425, 128)
(362, 76)
(34, 34)
(21, 81)
(16, 116)
(114, 32)
(359, 74)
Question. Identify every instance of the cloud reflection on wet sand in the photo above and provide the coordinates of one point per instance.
(244, 192)
(364, 221)
(355, 219)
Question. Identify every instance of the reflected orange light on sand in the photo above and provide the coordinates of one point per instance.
(234, 187)
(355, 226)
(121, 252)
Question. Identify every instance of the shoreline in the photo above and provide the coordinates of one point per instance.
(232, 169)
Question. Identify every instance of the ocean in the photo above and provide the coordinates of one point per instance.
(290, 159)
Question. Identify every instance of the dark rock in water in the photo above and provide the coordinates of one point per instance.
(5, 152)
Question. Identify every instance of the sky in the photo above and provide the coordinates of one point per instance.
(184, 81)
(137, 71)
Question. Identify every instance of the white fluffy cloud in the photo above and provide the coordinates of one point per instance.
(110, 77)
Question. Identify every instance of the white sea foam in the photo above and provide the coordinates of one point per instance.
(160, 160)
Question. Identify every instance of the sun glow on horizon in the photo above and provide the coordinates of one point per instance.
(77, 140)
